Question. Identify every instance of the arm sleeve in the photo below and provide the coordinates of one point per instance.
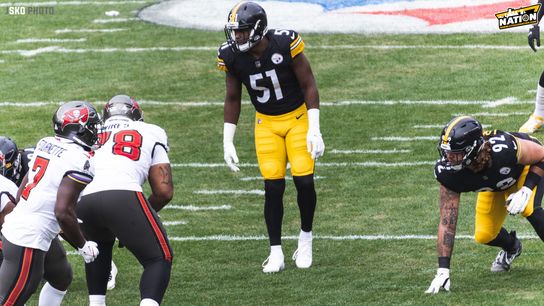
(159, 154)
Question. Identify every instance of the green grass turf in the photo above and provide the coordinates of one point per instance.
(352, 200)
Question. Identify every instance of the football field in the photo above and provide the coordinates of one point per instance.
(384, 100)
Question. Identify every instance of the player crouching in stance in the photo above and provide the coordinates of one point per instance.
(59, 169)
(506, 170)
(113, 205)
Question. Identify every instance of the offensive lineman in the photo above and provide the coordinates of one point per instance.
(278, 77)
(60, 169)
(113, 205)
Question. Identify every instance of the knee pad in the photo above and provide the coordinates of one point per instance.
(484, 237)
(272, 170)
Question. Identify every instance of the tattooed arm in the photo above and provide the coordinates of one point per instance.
(449, 209)
(162, 188)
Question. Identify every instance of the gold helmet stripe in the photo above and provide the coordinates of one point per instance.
(450, 127)
(234, 11)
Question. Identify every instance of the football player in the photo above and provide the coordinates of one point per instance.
(14, 166)
(506, 170)
(113, 205)
(278, 77)
(60, 169)
(536, 119)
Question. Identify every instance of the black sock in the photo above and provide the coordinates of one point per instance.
(273, 209)
(503, 240)
(306, 200)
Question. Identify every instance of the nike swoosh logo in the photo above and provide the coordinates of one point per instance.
(298, 117)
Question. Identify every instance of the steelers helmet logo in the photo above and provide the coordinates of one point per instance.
(277, 58)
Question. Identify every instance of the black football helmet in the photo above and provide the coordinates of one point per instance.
(10, 159)
(462, 134)
(123, 105)
(78, 121)
(246, 16)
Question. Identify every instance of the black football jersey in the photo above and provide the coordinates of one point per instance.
(270, 81)
(503, 173)
(26, 156)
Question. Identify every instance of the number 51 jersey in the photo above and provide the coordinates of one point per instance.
(129, 148)
(270, 80)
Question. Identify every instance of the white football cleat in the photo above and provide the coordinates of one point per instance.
(273, 264)
(533, 124)
(113, 275)
(303, 254)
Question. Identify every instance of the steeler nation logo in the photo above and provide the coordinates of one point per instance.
(518, 17)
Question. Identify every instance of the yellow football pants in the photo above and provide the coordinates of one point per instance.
(280, 138)
(491, 210)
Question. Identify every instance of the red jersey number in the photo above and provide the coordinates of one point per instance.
(40, 165)
(127, 143)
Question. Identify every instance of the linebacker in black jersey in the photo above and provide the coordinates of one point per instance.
(281, 85)
(506, 170)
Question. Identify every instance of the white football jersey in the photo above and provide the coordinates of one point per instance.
(32, 223)
(129, 149)
(7, 189)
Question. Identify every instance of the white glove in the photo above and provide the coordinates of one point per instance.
(314, 141)
(89, 251)
(441, 280)
(518, 201)
(229, 152)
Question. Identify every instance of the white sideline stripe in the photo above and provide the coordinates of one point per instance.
(389, 47)
(320, 237)
(318, 164)
(114, 20)
(435, 126)
(197, 208)
(218, 103)
(83, 31)
(48, 40)
(171, 223)
(362, 151)
(497, 114)
(402, 138)
(52, 3)
(207, 48)
(260, 178)
(254, 191)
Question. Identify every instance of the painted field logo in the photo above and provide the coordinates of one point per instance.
(518, 17)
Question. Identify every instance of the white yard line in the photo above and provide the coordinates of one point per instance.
(318, 164)
(60, 31)
(213, 48)
(363, 151)
(260, 178)
(197, 208)
(319, 237)
(172, 223)
(439, 126)
(403, 138)
(325, 103)
(49, 40)
(56, 3)
(485, 114)
(114, 20)
(254, 191)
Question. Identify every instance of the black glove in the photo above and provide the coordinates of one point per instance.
(534, 34)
